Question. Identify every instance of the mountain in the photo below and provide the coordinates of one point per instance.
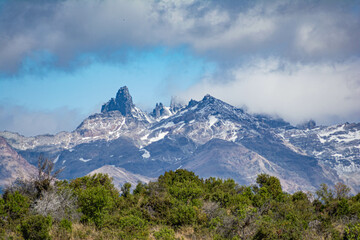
(209, 137)
(12, 165)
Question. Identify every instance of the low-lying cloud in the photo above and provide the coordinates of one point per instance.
(30, 123)
(326, 92)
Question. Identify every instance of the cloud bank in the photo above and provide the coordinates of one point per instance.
(297, 59)
(297, 92)
(65, 31)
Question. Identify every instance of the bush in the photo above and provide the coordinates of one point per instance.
(95, 203)
(132, 227)
(16, 205)
(165, 233)
(352, 232)
(66, 225)
(271, 184)
(97, 197)
(36, 227)
(59, 203)
(182, 215)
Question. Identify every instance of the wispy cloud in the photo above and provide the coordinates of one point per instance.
(30, 123)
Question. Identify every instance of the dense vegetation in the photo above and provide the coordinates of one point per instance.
(179, 205)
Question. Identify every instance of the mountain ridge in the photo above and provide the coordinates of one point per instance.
(162, 141)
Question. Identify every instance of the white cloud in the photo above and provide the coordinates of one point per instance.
(326, 92)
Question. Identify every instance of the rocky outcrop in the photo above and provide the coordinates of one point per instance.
(122, 103)
(160, 111)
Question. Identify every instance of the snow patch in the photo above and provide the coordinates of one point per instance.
(168, 125)
(56, 159)
(146, 153)
(194, 107)
(84, 160)
(160, 136)
(212, 120)
(329, 131)
(145, 137)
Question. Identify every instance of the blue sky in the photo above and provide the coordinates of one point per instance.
(60, 60)
(152, 76)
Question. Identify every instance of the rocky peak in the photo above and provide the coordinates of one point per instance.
(175, 104)
(208, 98)
(160, 110)
(307, 125)
(192, 103)
(122, 103)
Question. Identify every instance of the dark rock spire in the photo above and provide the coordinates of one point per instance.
(123, 102)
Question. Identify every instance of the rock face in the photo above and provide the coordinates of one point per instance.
(160, 111)
(12, 165)
(122, 103)
(209, 137)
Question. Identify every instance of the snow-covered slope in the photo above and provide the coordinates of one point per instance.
(335, 147)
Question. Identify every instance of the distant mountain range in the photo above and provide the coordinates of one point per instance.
(209, 137)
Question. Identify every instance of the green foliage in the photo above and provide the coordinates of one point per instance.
(270, 184)
(132, 227)
(182, 214)
(96, 180)
(16, 205)
(36, 227)
(97, 197)
(2, 207)
(178, 204)
(95, 204)
(165, 233)
(325, 194)
(125, 189)
(66, 225)
(352, 232)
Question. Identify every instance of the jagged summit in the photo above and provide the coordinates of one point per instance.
(160, 111)
(208, 136)
(123, 102)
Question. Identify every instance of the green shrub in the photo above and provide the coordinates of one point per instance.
(36, 227)
(132, 227)
(182, 215)
(352, 232)
(272, 184)
(165, 233)
(95, 204)
(66, 225)
(16, 205)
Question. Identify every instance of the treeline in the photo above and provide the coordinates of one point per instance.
(179, 205)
